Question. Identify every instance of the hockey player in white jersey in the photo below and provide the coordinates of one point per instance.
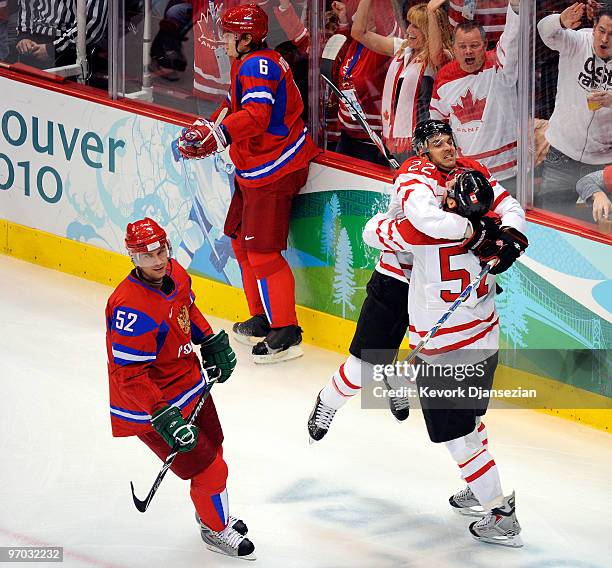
(442, 268)
(383, 320)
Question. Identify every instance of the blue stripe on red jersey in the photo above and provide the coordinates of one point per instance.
(269, 168)
(277, 119)
(180, 401)
(260, 68)
(124, 355)
(259, 94)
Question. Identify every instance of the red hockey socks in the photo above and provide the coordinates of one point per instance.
(249, 282)
(276, 287)
(209, 494)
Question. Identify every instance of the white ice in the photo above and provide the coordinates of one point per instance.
(372, 494)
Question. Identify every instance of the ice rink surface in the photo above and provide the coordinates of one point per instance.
(372, 494)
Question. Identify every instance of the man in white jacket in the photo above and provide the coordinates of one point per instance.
(580, 128)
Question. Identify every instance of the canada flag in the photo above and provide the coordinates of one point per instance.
(469, 109)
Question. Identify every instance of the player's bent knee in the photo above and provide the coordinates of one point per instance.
(212, 479)
(462, 449)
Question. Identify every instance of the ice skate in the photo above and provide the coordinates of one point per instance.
(465, 503)
(499, 526)
(281, 344)
(228, 541)
(237, 524)
(251, 331)
(319, 420)
(398, 405)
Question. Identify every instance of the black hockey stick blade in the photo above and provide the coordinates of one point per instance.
(141, 505)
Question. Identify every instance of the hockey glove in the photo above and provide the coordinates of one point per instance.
(486, 230)
(168, 422)
(509, 245)
(203, 139)
(216, 350)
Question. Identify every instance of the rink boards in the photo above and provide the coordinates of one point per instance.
(74, 172)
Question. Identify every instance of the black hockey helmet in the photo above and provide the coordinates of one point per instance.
(426, 129)
(473, 194)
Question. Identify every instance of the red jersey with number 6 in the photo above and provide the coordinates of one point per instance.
(151, 362)
(268, 137)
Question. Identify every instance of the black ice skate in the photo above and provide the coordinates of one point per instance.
(228, 541)
(398, 405)
(281, 344)
(251, 331)
(319, 420)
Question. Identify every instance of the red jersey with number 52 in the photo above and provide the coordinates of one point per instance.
(151, 362)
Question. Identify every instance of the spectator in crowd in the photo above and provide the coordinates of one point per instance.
(477, 95)
(362, 72)
(410, 76)
(4, 13)
(579, 131)
(597, 186)
(47, 30)
(490, 14)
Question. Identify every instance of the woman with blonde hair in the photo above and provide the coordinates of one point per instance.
(416, 59)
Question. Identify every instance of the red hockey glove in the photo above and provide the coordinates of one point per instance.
(506, 248)
(202, 140)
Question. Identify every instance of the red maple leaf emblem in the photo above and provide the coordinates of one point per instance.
(469, 109)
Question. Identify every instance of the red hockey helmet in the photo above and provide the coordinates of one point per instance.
(246, 19)
(144, 235)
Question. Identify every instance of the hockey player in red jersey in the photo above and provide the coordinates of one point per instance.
(383, 321)
(271, 150)
(155, 379)
(461, 359)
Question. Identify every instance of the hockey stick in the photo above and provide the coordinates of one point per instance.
(142, 506)
(330, 52)
(462, 297)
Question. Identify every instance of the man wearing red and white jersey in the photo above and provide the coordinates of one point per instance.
(271, 149)
(476, 95)
(490, 14)
(362, 74)
(383, 320)
(155, 378)
(463, 354)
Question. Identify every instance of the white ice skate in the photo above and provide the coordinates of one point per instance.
(499, 526)
(229, 542)
(465, 503)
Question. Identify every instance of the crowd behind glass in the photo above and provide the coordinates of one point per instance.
(403, 60)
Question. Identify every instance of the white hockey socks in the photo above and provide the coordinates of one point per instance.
(346, 382)
(481, 429)
(477, 468)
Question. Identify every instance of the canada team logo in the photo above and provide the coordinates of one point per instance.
(183, 320)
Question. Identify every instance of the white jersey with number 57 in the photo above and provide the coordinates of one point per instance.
(441, 270)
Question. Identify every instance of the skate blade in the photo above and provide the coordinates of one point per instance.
(510, 541)
(213, 548)
(249, 340)
(469, 511)
(293, 352)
